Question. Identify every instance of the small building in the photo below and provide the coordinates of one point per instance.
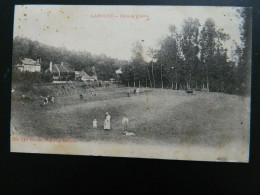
(61, 72)
(29, 65)
(119, 74)
(83, 76)
(119, 71)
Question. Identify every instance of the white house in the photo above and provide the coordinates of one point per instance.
(119, 71)
(29, 65)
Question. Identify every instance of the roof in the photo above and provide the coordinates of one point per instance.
(61, 68)
(85, 76)
(29, 61)
(119, 71)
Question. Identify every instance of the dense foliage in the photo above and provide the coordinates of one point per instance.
(195, 57)
(82, 60)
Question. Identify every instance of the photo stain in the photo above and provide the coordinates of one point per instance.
(210, 110)
(144, 128)
(57, 30)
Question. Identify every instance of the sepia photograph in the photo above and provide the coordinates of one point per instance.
(157, 82)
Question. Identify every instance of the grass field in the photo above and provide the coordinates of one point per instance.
(156, 116)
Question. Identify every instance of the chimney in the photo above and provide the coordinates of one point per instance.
(37, 61)
(61, 63)
(51, 66)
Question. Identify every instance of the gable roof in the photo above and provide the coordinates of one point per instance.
(29, 61)
(61, 68)
(85, 76)
(119, 71)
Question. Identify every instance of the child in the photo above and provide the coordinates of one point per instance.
(125, 122)
(45, 101)
(52, 100)
(94, 124)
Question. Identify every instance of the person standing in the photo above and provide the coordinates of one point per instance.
(95, 124)
(52, 100)
(107, 122)
(137, 91)
(125, 122)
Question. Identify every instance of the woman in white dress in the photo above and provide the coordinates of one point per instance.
(107, 122)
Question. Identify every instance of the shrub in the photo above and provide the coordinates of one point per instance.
(29, 78)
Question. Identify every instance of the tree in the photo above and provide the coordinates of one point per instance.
(190, 49)
(244, 64)
(168, 57)
(138, 65)
(213, 56)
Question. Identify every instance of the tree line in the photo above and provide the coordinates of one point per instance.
(195, 57)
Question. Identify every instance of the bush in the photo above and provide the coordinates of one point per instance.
(29, 78)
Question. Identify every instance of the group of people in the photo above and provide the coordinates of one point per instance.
(136, 92)
(48, 100)
(125, 122)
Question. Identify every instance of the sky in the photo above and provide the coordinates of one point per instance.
(107, 29)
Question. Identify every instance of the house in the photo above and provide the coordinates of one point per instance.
(61, 72)
(29, 65)
(83, 76)
(119, 71)
(119, 74)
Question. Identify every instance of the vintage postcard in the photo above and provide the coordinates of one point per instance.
(163, 82)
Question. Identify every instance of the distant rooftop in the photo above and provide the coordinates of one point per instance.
(61, 68)
(29, 61)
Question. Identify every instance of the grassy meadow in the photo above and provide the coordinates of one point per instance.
(156, 116)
